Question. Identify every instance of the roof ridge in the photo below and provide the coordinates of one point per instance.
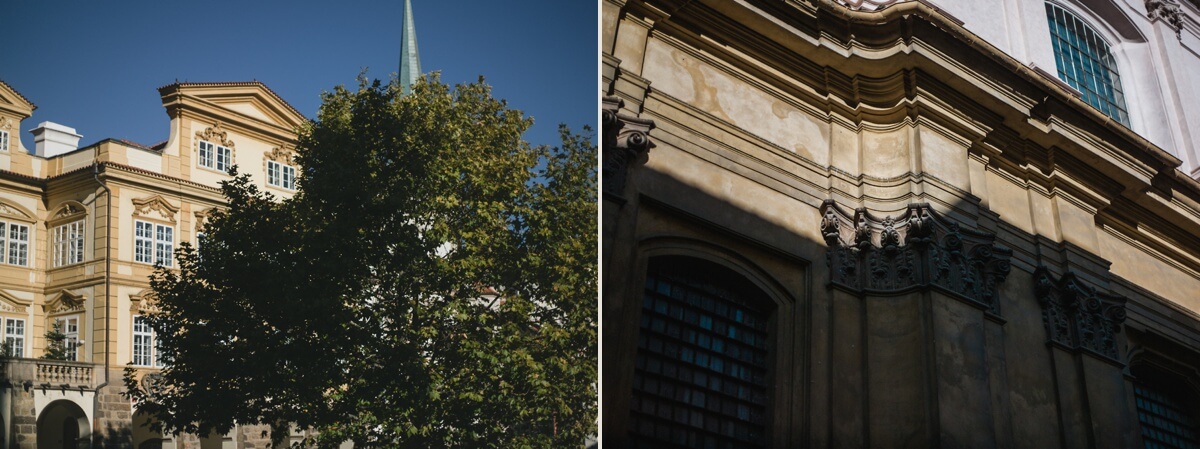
(236, 83)
(19, 94)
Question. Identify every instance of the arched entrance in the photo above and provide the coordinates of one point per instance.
(63, 425)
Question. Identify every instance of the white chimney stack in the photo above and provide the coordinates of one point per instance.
(52, 139)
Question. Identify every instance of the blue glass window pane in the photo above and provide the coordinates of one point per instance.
(1084, 61)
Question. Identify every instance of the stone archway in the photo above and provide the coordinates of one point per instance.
(63, 425)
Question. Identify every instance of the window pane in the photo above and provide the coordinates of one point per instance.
(1084, 61)
(693, 385)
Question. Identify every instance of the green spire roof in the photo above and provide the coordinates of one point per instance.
(410, 63)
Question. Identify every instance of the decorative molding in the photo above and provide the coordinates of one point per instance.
(280, 155)
(1077, 316)
(203, 216)
(144, 302)
(69, 210)
(6, 123)
(215, 134)
(869, 255)
(64, 302)
(625, 139)
(1168, 12)
(15, 212)
(155, 203)
(868, 5)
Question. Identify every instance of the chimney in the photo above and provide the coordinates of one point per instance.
(52, 139)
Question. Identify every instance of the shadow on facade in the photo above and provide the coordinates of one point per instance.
(771, 320)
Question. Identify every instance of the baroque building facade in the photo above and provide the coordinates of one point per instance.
(882, 223)
(83, 228)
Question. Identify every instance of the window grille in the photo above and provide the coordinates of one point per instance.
(700, 370)
(1084, 61)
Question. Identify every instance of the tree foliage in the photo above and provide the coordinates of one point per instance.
(56, 343)
(432, 283)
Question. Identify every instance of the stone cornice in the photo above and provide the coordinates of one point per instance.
(869, 255)
(910, 60)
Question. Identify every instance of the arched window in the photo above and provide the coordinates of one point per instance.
(1084, 61)
(1166, 410)
(701, 366)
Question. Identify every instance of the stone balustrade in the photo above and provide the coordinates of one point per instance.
(39, 373)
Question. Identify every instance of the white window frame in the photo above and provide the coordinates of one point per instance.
(3, 140)
(216, 157)
(69, 326)
(143, 336)
(14, 337)
(14, 243)
(68, 243)
(153, 243)
(281, 175)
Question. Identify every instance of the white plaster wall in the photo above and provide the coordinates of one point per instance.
(1158, 75)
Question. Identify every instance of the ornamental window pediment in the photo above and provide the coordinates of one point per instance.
(214, 148)
(12, 304)
(155, 207)
(64, 302)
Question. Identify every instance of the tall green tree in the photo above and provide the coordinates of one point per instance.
(56, 343)
(433, 283)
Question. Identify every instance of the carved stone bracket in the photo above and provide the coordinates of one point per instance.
(624, 140)
(1077, 316)
(1168, 12)
(917, 249)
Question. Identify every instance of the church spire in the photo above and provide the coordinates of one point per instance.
(410, 63)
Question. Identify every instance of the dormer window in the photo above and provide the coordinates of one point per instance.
(1085, 62)
(214, 156)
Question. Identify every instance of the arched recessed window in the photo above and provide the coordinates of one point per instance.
(1166, 410)
(1084, 61)
(700, 376)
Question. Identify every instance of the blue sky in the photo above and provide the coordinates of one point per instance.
(96, 65)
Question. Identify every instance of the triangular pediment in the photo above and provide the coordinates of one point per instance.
(12, 101)
(65, 301)
(251, 99)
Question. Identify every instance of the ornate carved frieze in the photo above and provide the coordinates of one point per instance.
(64, 302)
(6, 123)
(917, 249)
(155, 203)
(279, 155)
(1077, 316)
(67, 211)
(144, 302)
(625, 138)
(1167, 11)
(216, 135)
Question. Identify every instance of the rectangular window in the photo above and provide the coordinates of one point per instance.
(70, 328)
(215, 156)
(18, 244)
(206, 154)
(14, 337)
(280, 175)
(144, 347)
(3, 140)
(68, 244)
(153, 243)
